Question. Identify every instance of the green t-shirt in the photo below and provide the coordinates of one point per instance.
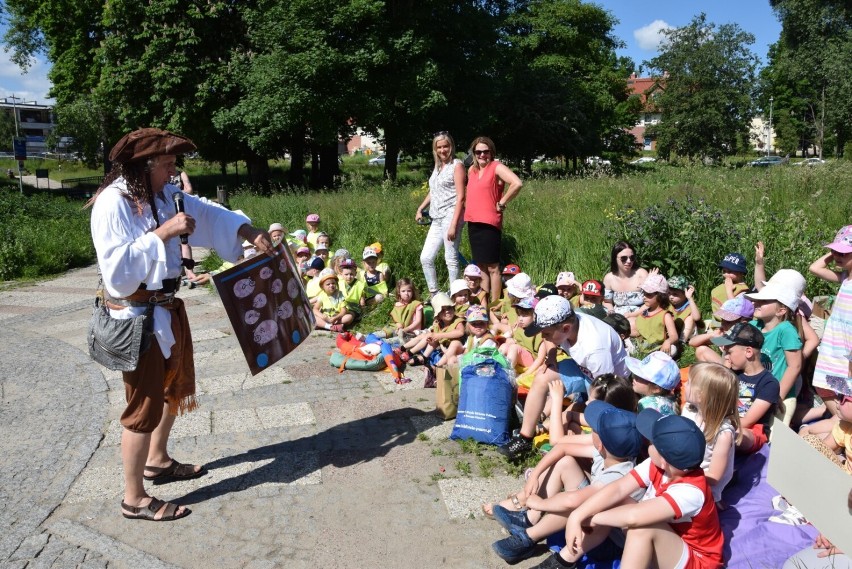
(782, 338)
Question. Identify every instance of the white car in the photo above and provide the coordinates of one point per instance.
(810, 162)
(597, 161)
(377, 161)
(643, 160)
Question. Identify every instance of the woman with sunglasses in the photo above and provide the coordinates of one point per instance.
(446, 204)
(485, 202)
(622, 294)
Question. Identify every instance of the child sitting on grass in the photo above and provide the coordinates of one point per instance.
(503, 315)
(312, 234)
(376, 288)
(330, 304)
(774, 307)
(686, 313)
(460, 295)
(615, 445)
(352, 287)
(478, 335)
(522, 351)
(407, 313)
(711, 401)
(473, 277)
(655, 325)
(443, 340)
(739, 309)
(759, 391)
(734, 271)
(656, 380)
(312, 284)
(676, 524)
(591, 299)
(568, 287)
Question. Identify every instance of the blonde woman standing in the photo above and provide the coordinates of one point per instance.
(446, 205)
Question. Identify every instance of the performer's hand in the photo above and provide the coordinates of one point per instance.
(259, 238)
(180, 224)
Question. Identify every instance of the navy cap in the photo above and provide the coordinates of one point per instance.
(548, 289)
(317, 263)
(734, 262)
(678, 440)
(615, 427)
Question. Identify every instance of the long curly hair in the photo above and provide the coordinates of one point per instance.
(137, 177)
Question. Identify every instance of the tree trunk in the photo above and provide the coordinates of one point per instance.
(258, 172)
(315, 167)
(296, 176)
(391, 152)
(329, 167)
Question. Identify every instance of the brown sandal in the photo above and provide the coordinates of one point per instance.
(173, 472)
(150, 511)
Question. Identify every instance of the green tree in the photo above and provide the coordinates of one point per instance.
(709, 76)
(7, 131)
(82, 121)
(808, 74)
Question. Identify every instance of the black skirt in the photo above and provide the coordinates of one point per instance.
(484, 243)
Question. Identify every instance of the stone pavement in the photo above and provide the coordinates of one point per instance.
(307, 467)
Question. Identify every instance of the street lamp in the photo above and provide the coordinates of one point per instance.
(769, 132)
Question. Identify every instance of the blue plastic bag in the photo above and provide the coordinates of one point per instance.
(485, 402)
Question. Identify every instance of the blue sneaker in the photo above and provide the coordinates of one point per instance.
(509, 519)
(517, 547)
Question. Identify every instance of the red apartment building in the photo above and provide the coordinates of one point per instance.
(647, 89)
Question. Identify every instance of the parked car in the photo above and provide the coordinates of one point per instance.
(765, 161)
(810, 162)
(597, 161)
(377, 161)
(643, 160)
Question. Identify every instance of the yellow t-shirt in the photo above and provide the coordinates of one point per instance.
(718, 296)
(842, 435)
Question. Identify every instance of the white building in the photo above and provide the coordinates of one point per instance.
(761, 136)
(35, 122)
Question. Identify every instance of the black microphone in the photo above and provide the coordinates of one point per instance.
(179, 209)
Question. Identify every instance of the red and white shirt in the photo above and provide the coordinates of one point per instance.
(696, 520)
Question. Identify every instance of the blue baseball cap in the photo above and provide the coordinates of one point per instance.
(734, 262)
(678, 440)
(615, 427)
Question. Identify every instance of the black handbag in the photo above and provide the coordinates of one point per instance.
(115, 343)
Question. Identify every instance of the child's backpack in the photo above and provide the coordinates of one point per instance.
(485, 402)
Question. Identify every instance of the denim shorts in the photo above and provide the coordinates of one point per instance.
(575, 381)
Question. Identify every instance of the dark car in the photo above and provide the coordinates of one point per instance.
(767, 161)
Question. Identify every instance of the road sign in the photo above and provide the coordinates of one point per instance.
(19, 144)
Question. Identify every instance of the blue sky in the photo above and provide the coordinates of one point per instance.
(640, 22)
(638, 28)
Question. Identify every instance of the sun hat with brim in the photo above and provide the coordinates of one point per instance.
(321, 247)
(678, 440)
(147, 143)
(276, 227)
(476, 313)
(441, 301)
(740, 334)
(654, 283)
(657, 367)
(520, 286)
(299, 234)
(786, 286)
(312, 218)
(549, 311)
(842, 241)
(326, 274)
(457, 286)
(615, 427)
(735, 308)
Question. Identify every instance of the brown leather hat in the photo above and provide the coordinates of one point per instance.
(147, 142)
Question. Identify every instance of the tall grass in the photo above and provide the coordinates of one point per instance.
(568, 224)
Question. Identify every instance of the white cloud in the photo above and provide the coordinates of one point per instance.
(651, 36)
(31, 85)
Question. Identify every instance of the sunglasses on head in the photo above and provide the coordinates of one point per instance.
(441, 133)
(625, 258)
(481, 152)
